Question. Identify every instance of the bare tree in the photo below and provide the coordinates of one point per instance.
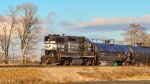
(135, 34)
(6, 27)
(28, 33)
(147, 40)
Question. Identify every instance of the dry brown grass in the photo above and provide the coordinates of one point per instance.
(71, 74)
(21, 76)
(117, 73)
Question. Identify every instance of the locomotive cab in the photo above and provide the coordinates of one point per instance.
(54, 44)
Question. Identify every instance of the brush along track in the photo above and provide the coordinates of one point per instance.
(35, 66)
(25, 66)
(46, 66)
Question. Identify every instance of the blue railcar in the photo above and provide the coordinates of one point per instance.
(122, 53)
(140, 54)
(113, 52)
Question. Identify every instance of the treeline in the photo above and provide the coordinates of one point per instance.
(136, 34)
(20, 28)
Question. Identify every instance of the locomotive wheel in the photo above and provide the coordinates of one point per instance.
(85, 62)
(139, 64)
(45, 62)
(97, 62)
(148, 63)
(125, 63)
(70, 62)
(92, 62)
(64, 62)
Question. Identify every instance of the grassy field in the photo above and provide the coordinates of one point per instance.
(70, 74)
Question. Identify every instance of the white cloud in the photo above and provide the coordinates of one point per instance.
(102, 21)
(49, 18)
(65, 23)
(103, 27)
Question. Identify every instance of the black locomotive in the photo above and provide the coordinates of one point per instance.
(66, 50)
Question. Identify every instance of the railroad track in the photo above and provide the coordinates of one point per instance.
(36, 66)
(45, 66)
(25, 66)
(42, 66)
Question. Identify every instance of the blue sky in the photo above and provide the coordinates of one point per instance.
(91, 18)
